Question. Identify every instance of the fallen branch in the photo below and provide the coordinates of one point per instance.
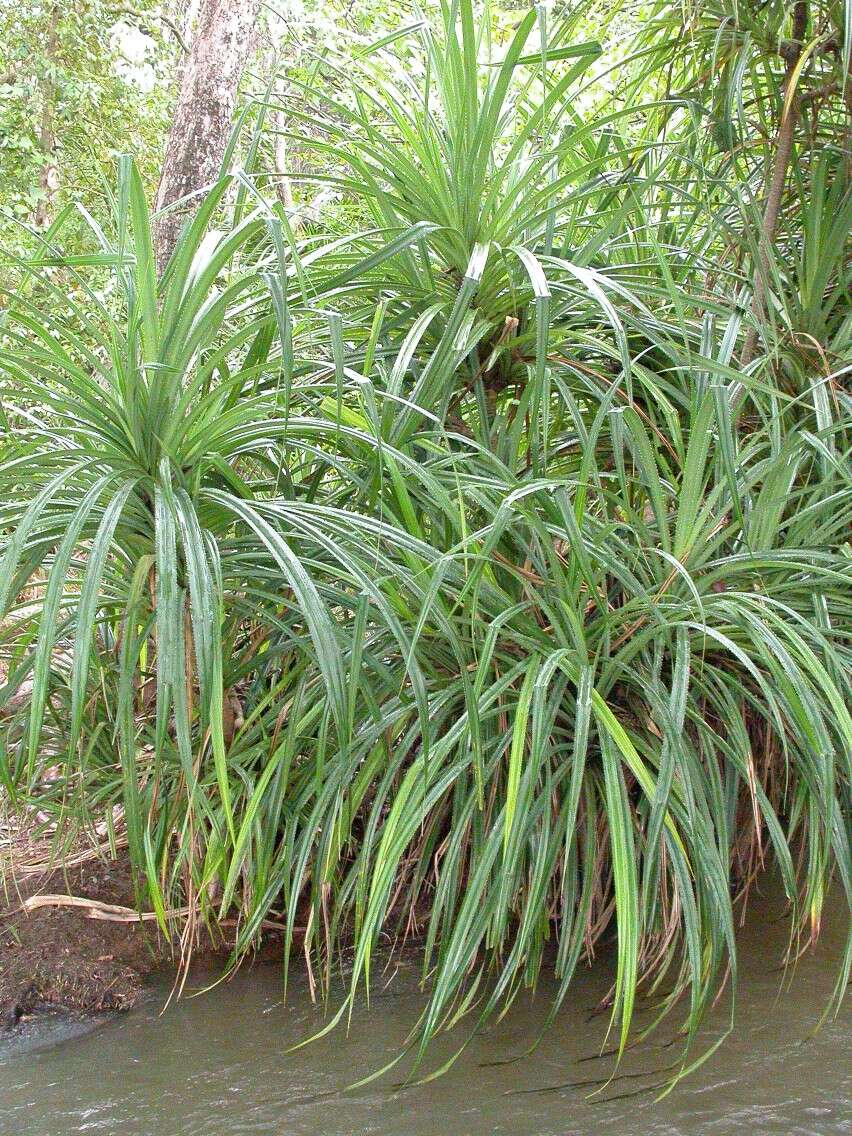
(115, 913)
(97, 910)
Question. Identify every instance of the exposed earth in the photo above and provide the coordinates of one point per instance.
(58, 951)
(59, 954)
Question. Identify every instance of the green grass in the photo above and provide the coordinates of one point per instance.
(535, 604)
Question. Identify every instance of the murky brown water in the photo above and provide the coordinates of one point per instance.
(218, 1064)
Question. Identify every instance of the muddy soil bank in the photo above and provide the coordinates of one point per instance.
(59, 955)
(53, 952)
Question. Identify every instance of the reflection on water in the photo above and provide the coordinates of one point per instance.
(218, 1064)
(47, 1026)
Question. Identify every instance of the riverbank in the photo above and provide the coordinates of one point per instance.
(55, 952)
(70, 933)
(231, 1062)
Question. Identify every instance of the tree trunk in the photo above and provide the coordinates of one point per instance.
(48, 180)
(783, 151)
(202, 118)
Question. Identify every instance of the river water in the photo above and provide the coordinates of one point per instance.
(222, 1063)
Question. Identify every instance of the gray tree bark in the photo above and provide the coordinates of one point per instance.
(48, 180)
(203, 114)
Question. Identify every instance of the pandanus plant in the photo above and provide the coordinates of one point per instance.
(481, 152)
(129, 490)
